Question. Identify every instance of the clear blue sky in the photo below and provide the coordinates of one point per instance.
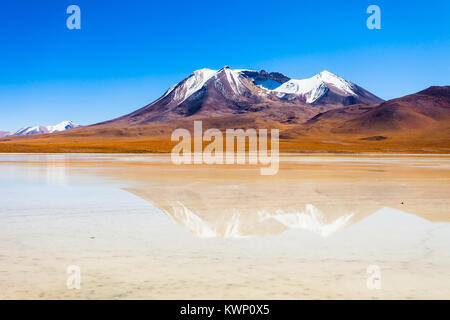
(128, 53)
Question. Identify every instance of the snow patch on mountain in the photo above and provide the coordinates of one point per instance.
(233, 80)
(191, 85)
(267, 84)
(199, 78)
(314, 88)
(63, 126)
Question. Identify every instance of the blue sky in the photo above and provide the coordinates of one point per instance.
(128, 53)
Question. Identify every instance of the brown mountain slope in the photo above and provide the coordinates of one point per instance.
(426, 110)
(423, 111)
(343, 113)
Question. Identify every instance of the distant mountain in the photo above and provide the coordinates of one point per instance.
(4, 134)
(211, 93)
(63, 126)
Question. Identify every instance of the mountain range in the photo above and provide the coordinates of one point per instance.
(324, 113)
(62, 126)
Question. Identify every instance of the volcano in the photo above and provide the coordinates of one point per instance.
(211, 93)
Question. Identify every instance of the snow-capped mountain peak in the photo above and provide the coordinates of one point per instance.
(62, 126)
(190, 85)
(232, 78)
(312, 89)
(65, 125)
(208, 92)
(338, 82)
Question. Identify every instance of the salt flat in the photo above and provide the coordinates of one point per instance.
(140, 227)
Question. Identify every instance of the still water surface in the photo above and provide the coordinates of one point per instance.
(142, 228)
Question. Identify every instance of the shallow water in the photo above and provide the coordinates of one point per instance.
(140, 227)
